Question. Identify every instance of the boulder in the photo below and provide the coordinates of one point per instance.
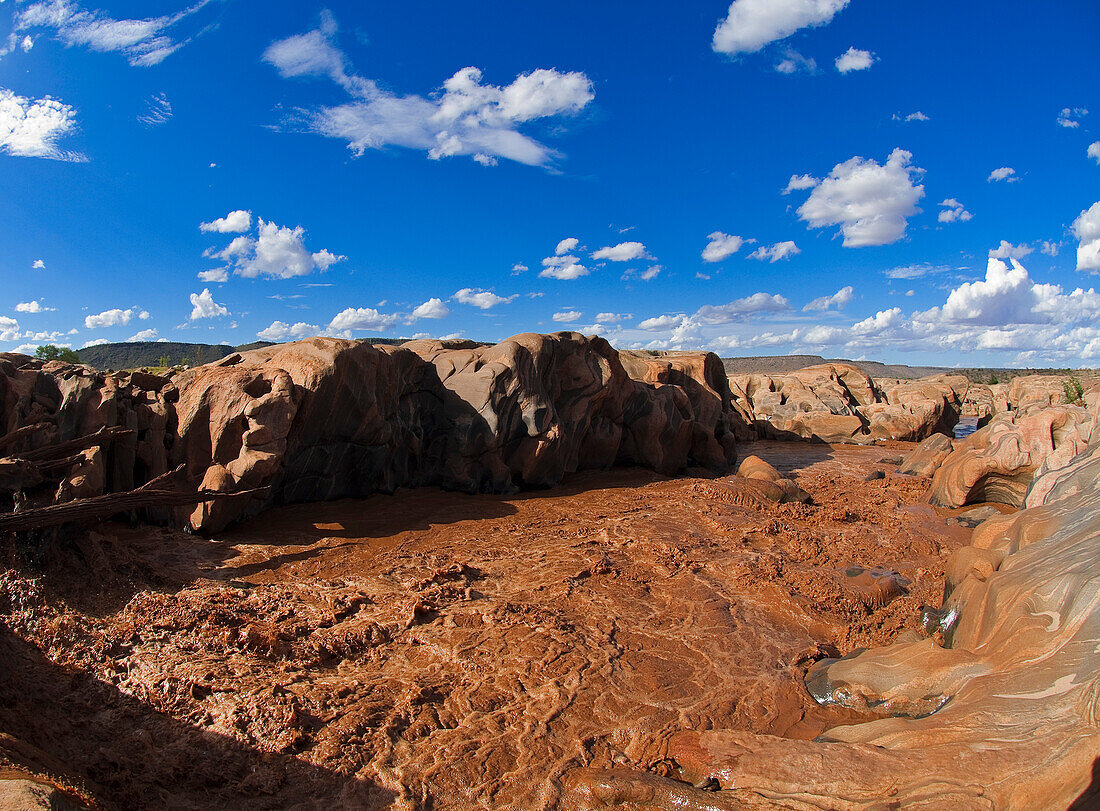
(926, 458)
(778, 489)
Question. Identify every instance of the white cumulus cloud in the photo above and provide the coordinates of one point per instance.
(204, 306)
(9, 329)
(800, 183)
(751, 24)
(110, 318)
(482, 299)
(563, 268)
(216, 275)
(567, 245)
(280, 331)
(276, 251)
(38, 264)
(854, 59)
(911, 117)
(567, 317)
(31, 128)
(741, 308)
(432, 308)
(32, 307)
(777, 252)
(623, 252)
(721, 246)
(235, 222)
(839, 299)
(954, 211)
(144, 335)
(360, 319)
(1087, 230)
(1006, 250)
(1094, 151)
(1006, 173)
(468, 117)
(870, 202)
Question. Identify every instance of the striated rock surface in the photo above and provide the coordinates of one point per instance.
(998, 462)
(926, 458)
(993, 706)
(840, 403)
(324, 418)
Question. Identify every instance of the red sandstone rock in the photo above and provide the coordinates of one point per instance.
(926, 458)
(325, 418)
(998, 462)
(993, 708)
(840, 403)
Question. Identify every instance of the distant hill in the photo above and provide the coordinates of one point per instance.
(165, 353)
(782, 364)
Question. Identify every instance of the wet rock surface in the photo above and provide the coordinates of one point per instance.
(992, 704)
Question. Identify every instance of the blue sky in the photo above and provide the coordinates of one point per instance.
(916, 183)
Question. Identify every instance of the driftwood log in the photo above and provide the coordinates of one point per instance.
(18, 434)
(64, 449)
(158, 492)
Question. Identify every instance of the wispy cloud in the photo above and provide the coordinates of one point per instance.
(471, 118)
(143, 42)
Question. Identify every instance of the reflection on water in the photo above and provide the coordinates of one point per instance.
(965, 427)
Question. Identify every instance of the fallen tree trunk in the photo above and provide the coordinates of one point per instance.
(63, 449)
(13, 437)
(155, 493)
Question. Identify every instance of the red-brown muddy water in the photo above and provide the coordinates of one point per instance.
(453, 650)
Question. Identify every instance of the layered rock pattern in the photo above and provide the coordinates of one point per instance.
(325, 418)
(998, 462)
(840, 403)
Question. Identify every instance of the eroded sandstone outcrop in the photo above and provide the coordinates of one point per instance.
(926, 458)
(326, 418)
(998, 462)
(841, 403)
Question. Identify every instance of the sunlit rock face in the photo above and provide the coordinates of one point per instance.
(998, 462)
(994, 705)
(841, 403)
(325, 418)
(926, 458)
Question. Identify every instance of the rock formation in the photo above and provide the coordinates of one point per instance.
(325, 418)
(840, 403)
(926, 458)
(998, 462)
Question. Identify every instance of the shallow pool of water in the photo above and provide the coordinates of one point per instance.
(965, 427)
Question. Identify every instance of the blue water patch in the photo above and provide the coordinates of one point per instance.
(965, 427)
